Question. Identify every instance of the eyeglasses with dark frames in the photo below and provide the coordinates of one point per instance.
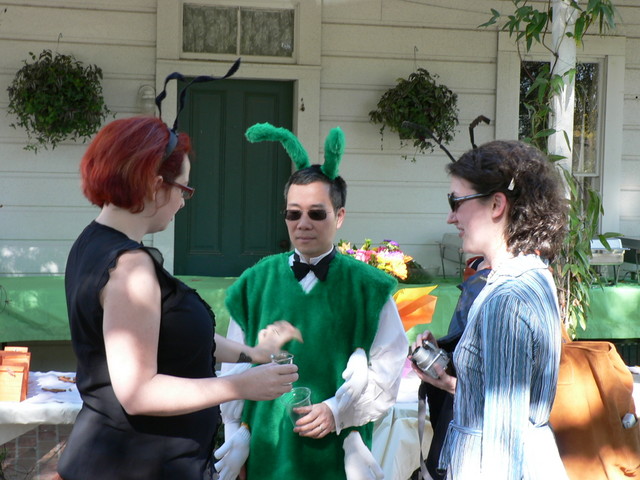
(187, 192)
(315, 215)
(454, 202)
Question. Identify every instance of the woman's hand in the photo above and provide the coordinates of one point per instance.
(267, 382)
(272, 338)
(444, 381)
(425, 336)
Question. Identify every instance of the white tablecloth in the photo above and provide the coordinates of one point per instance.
(395, 436)
(41, 406)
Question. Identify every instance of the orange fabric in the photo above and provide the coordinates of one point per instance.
(468, 269)
(594, 393)
(415, 305)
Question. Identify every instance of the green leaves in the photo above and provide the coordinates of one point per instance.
(56, 98)
(572, 270)
(421, 100)
(531, 24)
(492, 20)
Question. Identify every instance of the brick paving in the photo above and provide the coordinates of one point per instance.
(34, 455)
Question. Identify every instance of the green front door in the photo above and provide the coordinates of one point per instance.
(234, 218)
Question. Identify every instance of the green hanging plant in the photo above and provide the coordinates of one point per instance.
(57, 98)
(418, 99)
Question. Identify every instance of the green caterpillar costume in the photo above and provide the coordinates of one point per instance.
(335, 317)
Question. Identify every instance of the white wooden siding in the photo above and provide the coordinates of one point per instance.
(365, 45)
(43, 208)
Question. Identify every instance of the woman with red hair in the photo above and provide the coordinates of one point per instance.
(144, 341)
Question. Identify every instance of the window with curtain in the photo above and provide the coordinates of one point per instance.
(266, 32)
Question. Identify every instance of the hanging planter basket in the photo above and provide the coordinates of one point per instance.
(418, 99)
(57, 98)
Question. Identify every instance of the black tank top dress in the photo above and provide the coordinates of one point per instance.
(107, 443)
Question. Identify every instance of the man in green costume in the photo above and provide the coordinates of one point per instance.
(354, 349)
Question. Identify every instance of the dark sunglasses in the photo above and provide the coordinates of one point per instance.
(315, 215)
(187, 192)
(454, 202)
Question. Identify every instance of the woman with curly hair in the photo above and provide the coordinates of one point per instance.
(507, 202)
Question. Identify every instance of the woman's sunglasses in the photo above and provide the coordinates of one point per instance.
(315, 215)
(454, 202)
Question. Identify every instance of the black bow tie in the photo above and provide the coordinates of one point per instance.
(320, 269)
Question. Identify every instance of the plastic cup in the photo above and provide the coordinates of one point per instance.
(297, 397)
(282, 358)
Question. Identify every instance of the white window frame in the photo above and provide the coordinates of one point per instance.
(257, 5)
(610, 53)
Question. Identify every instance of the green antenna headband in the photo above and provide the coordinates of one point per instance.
(333, 146)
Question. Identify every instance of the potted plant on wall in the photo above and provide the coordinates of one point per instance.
(420, 100)
(56, 98)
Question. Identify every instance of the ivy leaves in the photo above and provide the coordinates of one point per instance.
(421, 100)
(56, 98)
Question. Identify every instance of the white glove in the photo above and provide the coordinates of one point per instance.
(355, 375)
(233, 454)
(232, 411)
(359, 463)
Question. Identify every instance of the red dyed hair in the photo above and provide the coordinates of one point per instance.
(124, 158)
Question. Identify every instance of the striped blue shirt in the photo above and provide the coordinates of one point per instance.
(507, 363)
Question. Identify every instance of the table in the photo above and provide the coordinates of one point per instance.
(41, 406)
(632, 255)
(36, 308)
(615, 313)
(37, 311)
(395, 435)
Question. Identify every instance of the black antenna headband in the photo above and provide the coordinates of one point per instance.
(173, 138)
(421, 129)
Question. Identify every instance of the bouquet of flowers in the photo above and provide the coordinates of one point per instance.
(387, 257)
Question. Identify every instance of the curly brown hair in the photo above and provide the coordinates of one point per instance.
(537, 219)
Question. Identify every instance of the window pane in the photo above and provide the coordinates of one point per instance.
(209, 29)
(266, 32)
(585, 118)
(528, 124)
(585, 128)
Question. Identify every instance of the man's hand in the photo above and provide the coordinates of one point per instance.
(272, 338)
(355, 376)
(317, 421)
(233, 454)
(359, 463)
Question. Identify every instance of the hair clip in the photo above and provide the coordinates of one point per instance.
(512, 184)
(173, 138)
